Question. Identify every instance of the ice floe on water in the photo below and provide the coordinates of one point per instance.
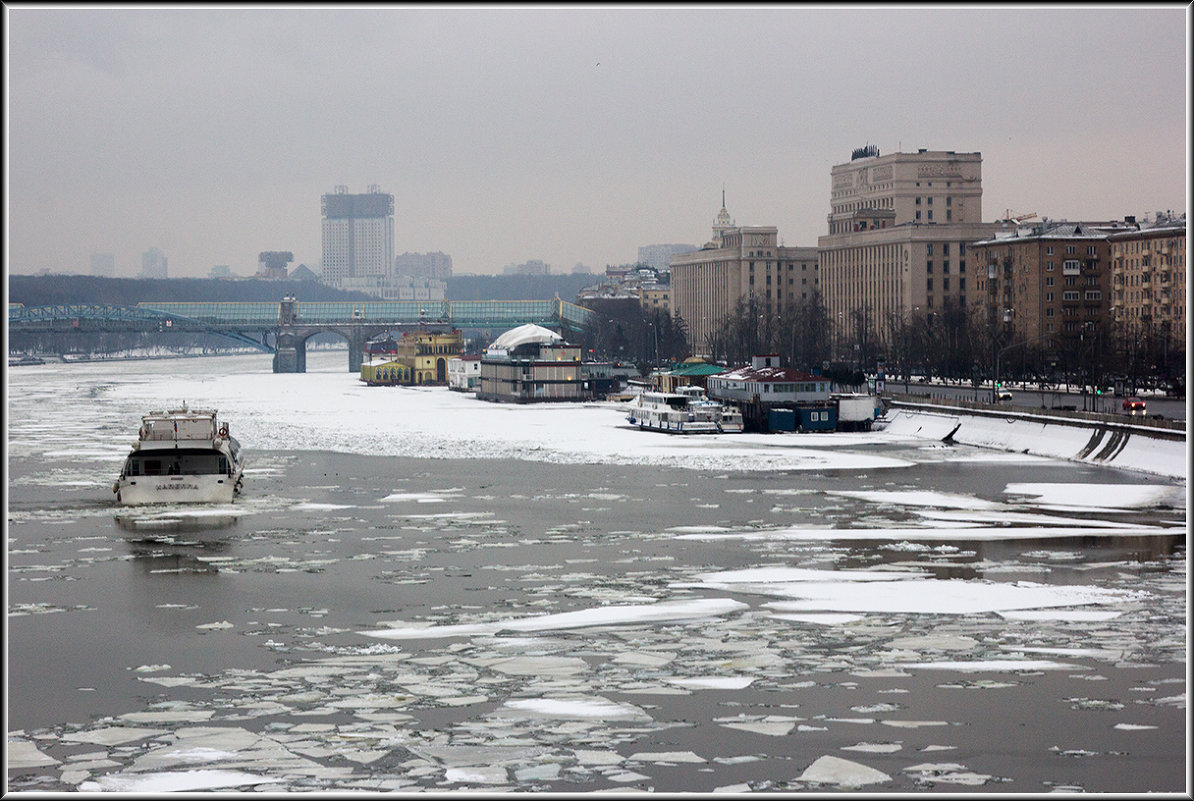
(842, 772)
(662, 612)
(1099, 497)
(176, 782)
(895, 592)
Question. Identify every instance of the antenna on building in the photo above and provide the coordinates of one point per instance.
(723, 194)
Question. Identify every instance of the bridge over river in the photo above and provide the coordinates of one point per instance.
(283, 328)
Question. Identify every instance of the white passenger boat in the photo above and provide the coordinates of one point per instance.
(181, 456)
(685, 411)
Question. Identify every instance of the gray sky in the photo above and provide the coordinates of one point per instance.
(569, 134)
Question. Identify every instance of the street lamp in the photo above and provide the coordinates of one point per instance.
(1007, 318)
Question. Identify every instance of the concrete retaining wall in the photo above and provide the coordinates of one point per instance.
(1133, 448)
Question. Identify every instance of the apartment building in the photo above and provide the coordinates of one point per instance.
(1148, 279)
(1044, 283)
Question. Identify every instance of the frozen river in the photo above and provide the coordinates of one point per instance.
(421, 591)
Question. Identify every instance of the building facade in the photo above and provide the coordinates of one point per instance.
(529, 364)
(659, 256)
(1044, 284)
(899, 228)
(435, 265)
(1148, 281)
(153, 264)
(739, 262)
(464, 373)
(427, 353)
(358, 240)
(765, 381)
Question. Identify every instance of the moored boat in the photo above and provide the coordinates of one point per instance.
(685, 411)
(181, 456)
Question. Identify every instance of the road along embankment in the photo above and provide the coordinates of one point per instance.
(1095, 439)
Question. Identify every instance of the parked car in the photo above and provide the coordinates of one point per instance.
(1134, 406)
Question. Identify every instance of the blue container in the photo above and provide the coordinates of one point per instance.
(781, 420)
(818, 419)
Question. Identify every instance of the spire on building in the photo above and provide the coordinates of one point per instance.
(722, 223)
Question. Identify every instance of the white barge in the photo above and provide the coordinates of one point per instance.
(181, 456)
(685, 411)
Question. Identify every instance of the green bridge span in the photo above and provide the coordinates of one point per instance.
(283, 328)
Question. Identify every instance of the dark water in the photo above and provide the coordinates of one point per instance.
(103, 602)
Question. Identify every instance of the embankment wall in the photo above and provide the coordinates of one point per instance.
(1161, 451)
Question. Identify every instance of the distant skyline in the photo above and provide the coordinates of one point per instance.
(572, 134)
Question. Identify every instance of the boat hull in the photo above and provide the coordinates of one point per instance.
(683, 427)
(140, 490)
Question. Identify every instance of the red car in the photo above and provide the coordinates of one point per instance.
(1134, 406)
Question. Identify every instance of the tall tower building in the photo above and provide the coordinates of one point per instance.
(739, 262)
(899, 226)
(153, 264)
(358, 240)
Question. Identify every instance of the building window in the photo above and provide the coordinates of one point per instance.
(944, 248)
(961, 284)
(929, 267)
(1048, 297)
(1049, 250)
(1048, 280)
(1048, 266)
(929, 248)
(944, 284)
(918, 199)
(929, 284)
(949, 215)
(945, 266)
(1069, 250)
(949, 201)
(918, 215)
(930, 214)
(929, 201)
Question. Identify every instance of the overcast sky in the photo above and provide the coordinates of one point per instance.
(568, 134)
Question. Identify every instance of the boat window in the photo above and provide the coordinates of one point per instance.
(153, 467)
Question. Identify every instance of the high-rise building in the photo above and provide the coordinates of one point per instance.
(899, 226)
(659, 256)
(358, 240)
(424, 265)
(153, 264)
(103, 264)
(738, 262)
(531, 267)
